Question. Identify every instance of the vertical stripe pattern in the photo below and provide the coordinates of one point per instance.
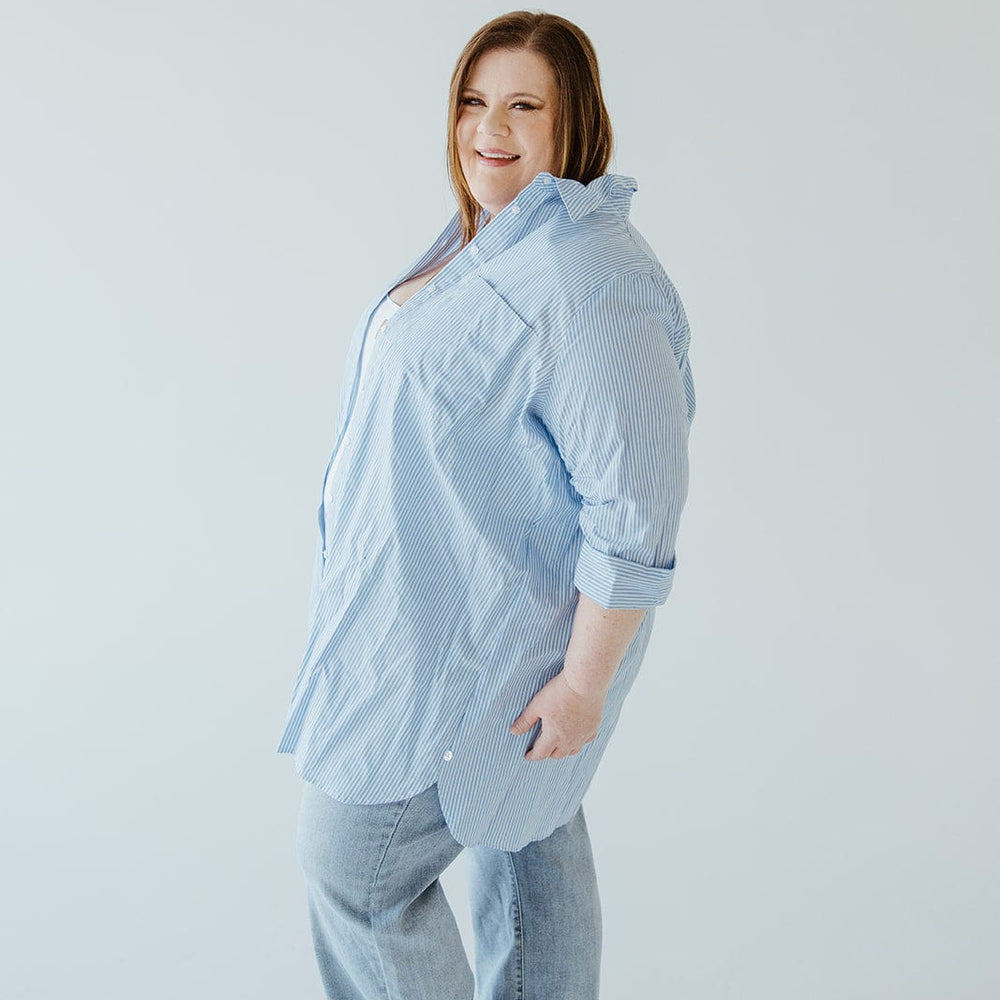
(517, 433)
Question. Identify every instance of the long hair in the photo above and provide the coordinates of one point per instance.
(583, 137)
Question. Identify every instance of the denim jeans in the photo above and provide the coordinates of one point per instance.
(383, 930)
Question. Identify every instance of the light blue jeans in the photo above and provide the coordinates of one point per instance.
(383, 930)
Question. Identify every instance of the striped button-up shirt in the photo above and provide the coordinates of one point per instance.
(520, 434)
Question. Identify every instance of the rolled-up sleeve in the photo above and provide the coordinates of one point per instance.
(618, 407)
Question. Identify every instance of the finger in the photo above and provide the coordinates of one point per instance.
(525, 720)
(541, 750)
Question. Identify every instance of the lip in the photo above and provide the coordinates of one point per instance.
(494, 149)
(496, 164)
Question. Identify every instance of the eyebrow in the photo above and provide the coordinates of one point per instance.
(507, 97)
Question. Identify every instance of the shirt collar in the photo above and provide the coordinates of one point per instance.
(610, 192)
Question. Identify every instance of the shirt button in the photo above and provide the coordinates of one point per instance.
(447, 755)
(514, 209)
(430, 287)
(324, 553)
(473, 249)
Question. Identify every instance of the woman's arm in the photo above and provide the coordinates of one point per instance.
(617, 408)
(571, 704)
(597, 644)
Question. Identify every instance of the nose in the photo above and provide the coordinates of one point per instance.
(494, 122)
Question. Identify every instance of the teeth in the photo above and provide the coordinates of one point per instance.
(499, 156)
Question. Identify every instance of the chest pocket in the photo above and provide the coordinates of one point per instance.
(451, 353)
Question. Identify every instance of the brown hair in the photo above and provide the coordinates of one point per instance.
(583, 137)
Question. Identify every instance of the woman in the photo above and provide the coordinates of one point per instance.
(497, 528)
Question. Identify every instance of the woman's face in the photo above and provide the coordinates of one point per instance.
(507, 107)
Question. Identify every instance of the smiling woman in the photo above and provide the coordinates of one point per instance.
(496, 529)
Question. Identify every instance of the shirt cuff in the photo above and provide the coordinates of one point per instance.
(618, 583)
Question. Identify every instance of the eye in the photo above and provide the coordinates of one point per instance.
(516, 104)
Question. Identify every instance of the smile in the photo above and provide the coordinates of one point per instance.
(497, 159)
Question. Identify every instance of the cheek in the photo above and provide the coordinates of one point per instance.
(465, 130)
(542, 145)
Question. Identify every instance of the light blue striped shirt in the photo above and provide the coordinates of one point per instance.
(520, 433)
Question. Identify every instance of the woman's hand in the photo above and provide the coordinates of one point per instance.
(570, 719)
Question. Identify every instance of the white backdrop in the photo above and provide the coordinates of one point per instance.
(196, 201)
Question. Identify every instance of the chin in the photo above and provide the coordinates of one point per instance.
(495, 194)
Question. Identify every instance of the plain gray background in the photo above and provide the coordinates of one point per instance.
(196, 201)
